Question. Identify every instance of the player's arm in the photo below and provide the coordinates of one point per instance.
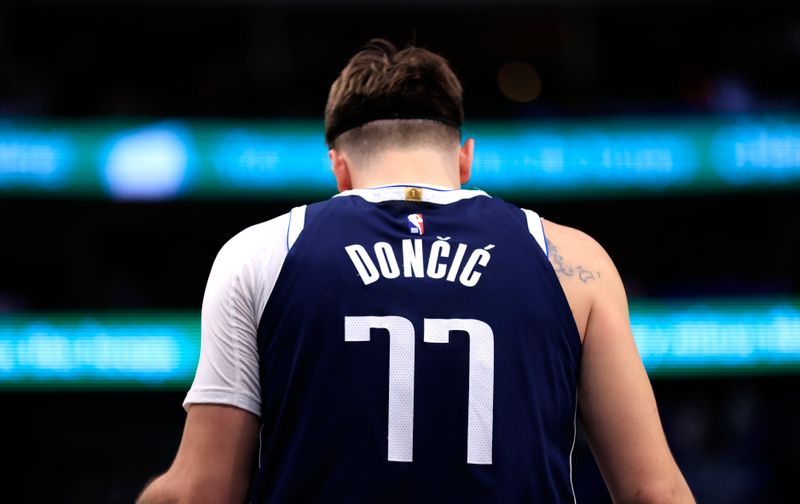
(220, 438)
(617, 406)
(214, 460)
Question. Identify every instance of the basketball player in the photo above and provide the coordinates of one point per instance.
(410, 341)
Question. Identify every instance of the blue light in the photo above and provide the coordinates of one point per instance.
(288, 159)
(161, 350)
(584, 159)
(147, 164)
(35, 159)
(744, 335)
(248, 160)
(750, 152)
(97, 350)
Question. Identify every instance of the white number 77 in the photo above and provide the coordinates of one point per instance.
(401, 379)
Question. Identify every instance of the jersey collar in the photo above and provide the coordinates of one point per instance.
(413, 192)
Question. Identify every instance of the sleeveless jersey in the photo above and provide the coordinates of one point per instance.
(416, 347)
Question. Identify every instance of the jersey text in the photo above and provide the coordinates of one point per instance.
(440, 261)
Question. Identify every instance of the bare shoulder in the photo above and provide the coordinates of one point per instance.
(575, 255)
(583, 267)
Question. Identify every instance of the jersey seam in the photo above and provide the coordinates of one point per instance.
(237, 351)
(289, 230)
(572, 448)
(544, 237)
(235, 286)
(421, 186)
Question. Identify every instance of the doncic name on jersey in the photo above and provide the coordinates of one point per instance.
(438, 261)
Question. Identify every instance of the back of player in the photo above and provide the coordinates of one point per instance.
(417, 346)
(411, 343)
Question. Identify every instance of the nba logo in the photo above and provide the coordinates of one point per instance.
(415, 224)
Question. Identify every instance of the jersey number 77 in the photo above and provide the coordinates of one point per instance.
(401, 379)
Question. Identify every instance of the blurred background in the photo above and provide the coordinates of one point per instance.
(136, 137)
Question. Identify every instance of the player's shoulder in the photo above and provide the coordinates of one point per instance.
(254, 244)
(571, 246)
(571, 237)
(268, 233)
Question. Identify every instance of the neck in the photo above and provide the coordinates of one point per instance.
(422, 166)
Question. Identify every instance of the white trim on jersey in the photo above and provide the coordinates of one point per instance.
(430, 193)
(239, 285)
(536, 227)
(572, 449)
(297, 221)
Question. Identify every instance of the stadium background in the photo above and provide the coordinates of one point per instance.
(137, 137)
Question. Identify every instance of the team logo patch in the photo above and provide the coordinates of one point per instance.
(416, 224)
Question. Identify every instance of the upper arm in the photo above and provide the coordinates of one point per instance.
(617, 405)
(220, 436)
(239, 285)
(618, 408)
(215, 458)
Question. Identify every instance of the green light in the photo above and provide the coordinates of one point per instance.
(160, 350)
(718, 337)
(139, 350)
(288, 159)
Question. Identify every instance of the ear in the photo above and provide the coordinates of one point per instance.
(341, 170)
(465, 156)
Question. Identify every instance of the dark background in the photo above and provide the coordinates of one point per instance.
(736, 438)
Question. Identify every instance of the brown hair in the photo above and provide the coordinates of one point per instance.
(395, 93)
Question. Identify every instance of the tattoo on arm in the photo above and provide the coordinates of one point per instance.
(565, 270)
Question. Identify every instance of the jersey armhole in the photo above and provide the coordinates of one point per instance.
(297, 220)
(536, 228)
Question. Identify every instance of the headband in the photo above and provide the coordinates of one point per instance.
(369, 109)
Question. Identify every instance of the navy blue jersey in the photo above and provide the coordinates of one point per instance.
(416, 347)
